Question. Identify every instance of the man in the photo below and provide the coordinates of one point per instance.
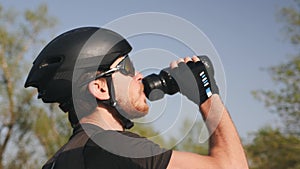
(88, 72)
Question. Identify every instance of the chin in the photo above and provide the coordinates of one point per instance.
(138, 113)
(134, 111)
(135, 108)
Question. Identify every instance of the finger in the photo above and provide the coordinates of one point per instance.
(180, 60)
(187, 59)
(195, 58)
(173, 64)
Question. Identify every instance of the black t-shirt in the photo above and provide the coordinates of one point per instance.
(92, 147)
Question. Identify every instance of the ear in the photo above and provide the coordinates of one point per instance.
(99, 89)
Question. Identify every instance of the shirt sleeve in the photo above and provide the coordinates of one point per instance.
(113, 149)
(159, 161)
(152, 156)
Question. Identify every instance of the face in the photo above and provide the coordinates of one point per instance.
(129, 93)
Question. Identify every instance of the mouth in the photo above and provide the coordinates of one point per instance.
(142, 87)
(143, 93)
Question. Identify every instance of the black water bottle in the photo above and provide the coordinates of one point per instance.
(156, 85)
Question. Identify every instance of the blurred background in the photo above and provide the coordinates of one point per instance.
(257, 43)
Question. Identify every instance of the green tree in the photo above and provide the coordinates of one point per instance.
(279, 148)
(291, 17)
(24, 124)
(273, 150)
(285, 101)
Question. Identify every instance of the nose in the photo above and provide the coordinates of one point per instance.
(138, 76)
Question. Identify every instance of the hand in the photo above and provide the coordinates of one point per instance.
(195, 78)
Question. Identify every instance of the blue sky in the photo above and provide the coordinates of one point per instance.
(246, 35)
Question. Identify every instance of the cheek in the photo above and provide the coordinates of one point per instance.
(122, 85)
(129, 94)
(127, 89)
(132, 93)
(136, 89)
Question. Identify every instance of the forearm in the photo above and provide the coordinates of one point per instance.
(225, 144)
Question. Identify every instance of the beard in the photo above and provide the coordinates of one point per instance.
(131, 101)
(132, 108)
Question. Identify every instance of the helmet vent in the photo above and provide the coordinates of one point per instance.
(50, 61)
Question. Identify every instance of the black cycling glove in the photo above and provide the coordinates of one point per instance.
(196, 79)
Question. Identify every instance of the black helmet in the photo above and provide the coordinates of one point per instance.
(52, 70)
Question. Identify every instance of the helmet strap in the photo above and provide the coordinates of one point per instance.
(67, 106)
(126, 123)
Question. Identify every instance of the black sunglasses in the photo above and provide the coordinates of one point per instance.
(125, 67)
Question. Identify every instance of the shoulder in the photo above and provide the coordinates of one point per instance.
(125, 144)
(126, 148)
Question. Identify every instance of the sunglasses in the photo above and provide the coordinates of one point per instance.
(125, 67)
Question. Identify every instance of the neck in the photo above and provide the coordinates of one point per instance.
(103, 118)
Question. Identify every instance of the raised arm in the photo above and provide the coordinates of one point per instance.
(225, 148)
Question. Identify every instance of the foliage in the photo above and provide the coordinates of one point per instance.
(273, 150)
(285, 101)
(24, 123)
(280, 148)
(291, 17)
